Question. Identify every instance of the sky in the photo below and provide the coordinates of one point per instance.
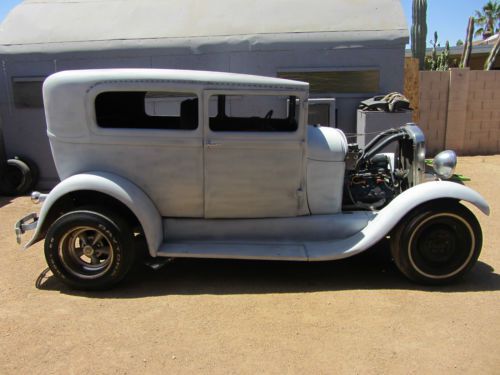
(447, 17)
(6, 6)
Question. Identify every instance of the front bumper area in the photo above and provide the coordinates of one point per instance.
(29, 222)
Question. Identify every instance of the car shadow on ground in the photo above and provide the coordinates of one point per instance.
(4, 201)
(368, 271)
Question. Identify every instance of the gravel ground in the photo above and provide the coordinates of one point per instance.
(357, 316)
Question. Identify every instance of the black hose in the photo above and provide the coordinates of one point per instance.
(395, 137)
(379, 136)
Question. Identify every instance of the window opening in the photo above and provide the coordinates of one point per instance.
(147, 110)
(253, 113)
(27, 92)
(339, 82)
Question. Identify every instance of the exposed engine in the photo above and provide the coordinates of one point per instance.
(373, 179)
(372, 186)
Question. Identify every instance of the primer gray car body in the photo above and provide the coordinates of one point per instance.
(208, 191)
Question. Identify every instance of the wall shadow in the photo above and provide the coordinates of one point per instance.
(371, 270)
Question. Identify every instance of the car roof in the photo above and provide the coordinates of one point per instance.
(197, 78)
(67, 94)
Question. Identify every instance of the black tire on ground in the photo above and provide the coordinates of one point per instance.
(16, 178)
(35, 172)
(90, 250)
(437, 242)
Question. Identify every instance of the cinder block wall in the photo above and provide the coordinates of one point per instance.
(433, 108)
(460, 110)
(482, 130)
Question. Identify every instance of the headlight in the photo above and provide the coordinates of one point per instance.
(37, 197)
(444, 164)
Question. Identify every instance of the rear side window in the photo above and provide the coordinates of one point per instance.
(147, 110)
(253, 113)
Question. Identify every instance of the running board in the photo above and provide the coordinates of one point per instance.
(269, 250)
(233, 250)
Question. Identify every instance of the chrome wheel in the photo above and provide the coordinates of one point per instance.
(86, 252)
(90, 248)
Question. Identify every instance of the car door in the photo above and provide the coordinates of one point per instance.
(151, 135)
(254, 155)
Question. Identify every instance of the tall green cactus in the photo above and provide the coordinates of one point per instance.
(419, 31)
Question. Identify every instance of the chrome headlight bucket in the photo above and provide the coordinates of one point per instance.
(444, 164)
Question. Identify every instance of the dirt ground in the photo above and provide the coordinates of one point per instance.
(357, 316)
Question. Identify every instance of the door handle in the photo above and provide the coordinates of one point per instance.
(212, 144)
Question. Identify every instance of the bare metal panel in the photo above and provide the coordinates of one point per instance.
(254, 178)
(155, 168)
(301, 228)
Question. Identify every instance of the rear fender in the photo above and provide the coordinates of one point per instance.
(117, 187)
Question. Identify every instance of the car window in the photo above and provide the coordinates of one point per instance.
(254, 113)
(147, 110)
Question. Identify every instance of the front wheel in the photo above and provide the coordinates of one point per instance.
(437, 243)
(89, 249)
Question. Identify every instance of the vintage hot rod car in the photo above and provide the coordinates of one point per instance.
(219, 165)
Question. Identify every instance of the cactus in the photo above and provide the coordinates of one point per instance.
(438, 62)
(490, 62)
(464, 61)
(444, 58)
(419, 31)
(434, 58)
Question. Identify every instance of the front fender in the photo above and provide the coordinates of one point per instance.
(114, 186)
(428, 191)
(392, 214)
(387, 218)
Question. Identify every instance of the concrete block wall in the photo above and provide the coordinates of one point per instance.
(460, 110)
(457, 109)
(433, 108)
(482, 131)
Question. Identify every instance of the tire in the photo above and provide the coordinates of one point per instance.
(437, 243)
(90, 250)
(16, 178)
(34, 170)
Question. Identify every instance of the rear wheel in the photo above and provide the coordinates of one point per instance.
(437, 243)
(90, 249)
